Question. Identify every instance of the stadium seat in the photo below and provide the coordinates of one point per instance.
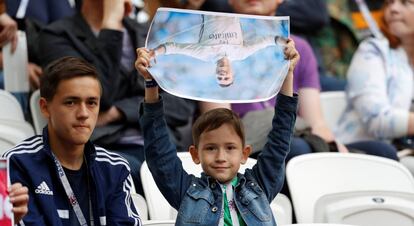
(315, 224)
(333, 104)
(366, 208)
(13, 126)
(38, 120)
(140, 205)
(10, 107)
(159, 223)
(313, 176)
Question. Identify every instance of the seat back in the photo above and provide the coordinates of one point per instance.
(158, 206)
(366, 208)
(12, 133)
(159, 223)
(333, 104)
(10, 108)
(5, 145)
(318, 224)
(159, 209)
(140, 205)
(314, 175)
(15, 65)
(282, 209)
(13, 126)
(38, 120)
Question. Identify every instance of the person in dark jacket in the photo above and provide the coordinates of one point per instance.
(71, 181)
(103, 35)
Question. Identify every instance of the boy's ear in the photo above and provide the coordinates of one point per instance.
(43, 107)
(246, 153)
(194, 154)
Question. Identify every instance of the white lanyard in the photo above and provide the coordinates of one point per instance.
(71, 196)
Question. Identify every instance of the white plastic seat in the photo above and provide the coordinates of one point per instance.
(366, 208)
(12, 133)
(159, 223)
(140, 205)
(16, 76)
(315, 224)
(5, 145)
(13, 126)
(10, 108)
(159, 208)
(314, 175)
(333, 104)
(282, 209)
(38, 120)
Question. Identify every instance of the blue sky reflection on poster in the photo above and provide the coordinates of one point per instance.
(218, 57)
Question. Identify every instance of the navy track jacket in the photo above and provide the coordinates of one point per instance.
(31, 163)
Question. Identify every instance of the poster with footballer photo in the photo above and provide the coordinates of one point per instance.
(218, 57)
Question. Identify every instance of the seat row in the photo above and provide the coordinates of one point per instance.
(330, 188)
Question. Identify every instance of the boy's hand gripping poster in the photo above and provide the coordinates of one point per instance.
(6, 215)
(218, 57)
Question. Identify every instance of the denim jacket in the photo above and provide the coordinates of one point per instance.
(199, 200)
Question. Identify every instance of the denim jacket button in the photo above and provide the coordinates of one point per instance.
(214, 209)
(213, 185)
(194, 185)
(252, 184)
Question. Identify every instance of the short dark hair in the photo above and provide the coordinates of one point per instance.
(62, 69)
(215, 118)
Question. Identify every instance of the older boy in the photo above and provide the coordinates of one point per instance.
(221, 196)
(71, 181)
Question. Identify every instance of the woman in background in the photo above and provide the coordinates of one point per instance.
(380, 81)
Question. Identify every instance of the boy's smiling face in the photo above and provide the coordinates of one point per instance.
(220, 152)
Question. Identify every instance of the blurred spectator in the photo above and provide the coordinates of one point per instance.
(43, 11)
(306, 83)
(206, 5)
(103, 35)
(8, 33)
(333, 32)
(317, 28)
(215, 6)
(31, 18)
(380, 81)
(8, 27)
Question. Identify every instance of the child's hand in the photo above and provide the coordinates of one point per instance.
(291, 54)
(19, 197)
(143, 61)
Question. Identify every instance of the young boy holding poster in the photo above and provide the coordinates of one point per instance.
(221, 196)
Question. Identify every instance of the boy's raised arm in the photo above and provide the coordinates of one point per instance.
(160, 152)
(292, 54)
(270, 168)
(141, 64)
